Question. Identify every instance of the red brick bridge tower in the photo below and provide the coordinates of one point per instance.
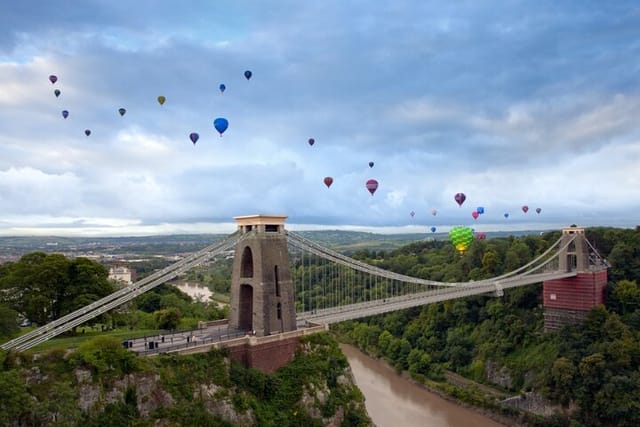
(262, 294)
(568, 300)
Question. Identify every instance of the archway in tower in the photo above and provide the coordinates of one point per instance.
(245, 308)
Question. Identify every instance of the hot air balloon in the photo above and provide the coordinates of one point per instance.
(65, 113)
(434, 212)
(311, 141)
(525, 208)
(461, 237)
(538, 210)
(371, 164)
(460, 198)
(221, 124)
(57, 92)
(122, 111)
(87, 132)
(481, 236)
(433, 229)
(161, 100)
(372, 186)
(222, 87)
(412, 213)
(328, 181)
(506, 214)
(480, 210)
(248, 74)
(475, 214)
(53, 79)
(194, 137)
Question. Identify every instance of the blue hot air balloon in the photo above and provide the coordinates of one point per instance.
(480, 210)
(193, 136)
(221, 124)
(248, 74)
(433, 229)
(65, 113)
(222, 87)
(506, 214)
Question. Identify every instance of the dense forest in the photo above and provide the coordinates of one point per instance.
(591, 370)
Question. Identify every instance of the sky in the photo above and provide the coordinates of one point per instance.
(511, 102)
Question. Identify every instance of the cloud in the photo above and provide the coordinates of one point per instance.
(515, 104)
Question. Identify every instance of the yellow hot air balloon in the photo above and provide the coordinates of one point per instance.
(161, 100)
(461, 237)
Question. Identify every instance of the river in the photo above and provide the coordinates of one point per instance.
(394, 401)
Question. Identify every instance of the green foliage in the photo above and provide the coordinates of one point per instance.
(593, 365)
(105, 355)
(8, 322)
(15, 400)
(317, 365)
(43, 287)
(168, 318)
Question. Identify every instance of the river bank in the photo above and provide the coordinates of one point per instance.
(394, 399)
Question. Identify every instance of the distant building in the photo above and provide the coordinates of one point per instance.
(122, 274)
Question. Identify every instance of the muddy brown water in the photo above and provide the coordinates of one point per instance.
(394, 401)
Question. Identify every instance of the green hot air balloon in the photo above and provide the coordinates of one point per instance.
(461, 237)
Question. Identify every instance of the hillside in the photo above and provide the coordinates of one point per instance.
(103, 384)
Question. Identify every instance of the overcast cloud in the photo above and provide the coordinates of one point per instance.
(513, 103)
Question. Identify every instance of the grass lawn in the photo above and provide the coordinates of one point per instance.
(73, 341)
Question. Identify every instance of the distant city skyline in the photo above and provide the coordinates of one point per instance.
(512, 104)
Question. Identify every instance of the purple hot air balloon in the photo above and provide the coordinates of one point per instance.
(372, 186)
(194, 137)
(65, 113)
(311, 141)
(53, 79)
(538, 210)
(460, 198)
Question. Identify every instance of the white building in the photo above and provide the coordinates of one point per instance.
(121, 274)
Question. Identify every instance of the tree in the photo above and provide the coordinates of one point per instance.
(561, 381)
(625, 296)
(8, 321)
(43, 287)
(168, 318)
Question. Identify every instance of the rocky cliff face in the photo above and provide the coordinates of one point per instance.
(317, 389)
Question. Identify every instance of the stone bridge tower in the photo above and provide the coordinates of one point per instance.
(262, 294)
(569, 300)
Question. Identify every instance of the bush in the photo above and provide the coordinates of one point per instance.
(106, 355)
